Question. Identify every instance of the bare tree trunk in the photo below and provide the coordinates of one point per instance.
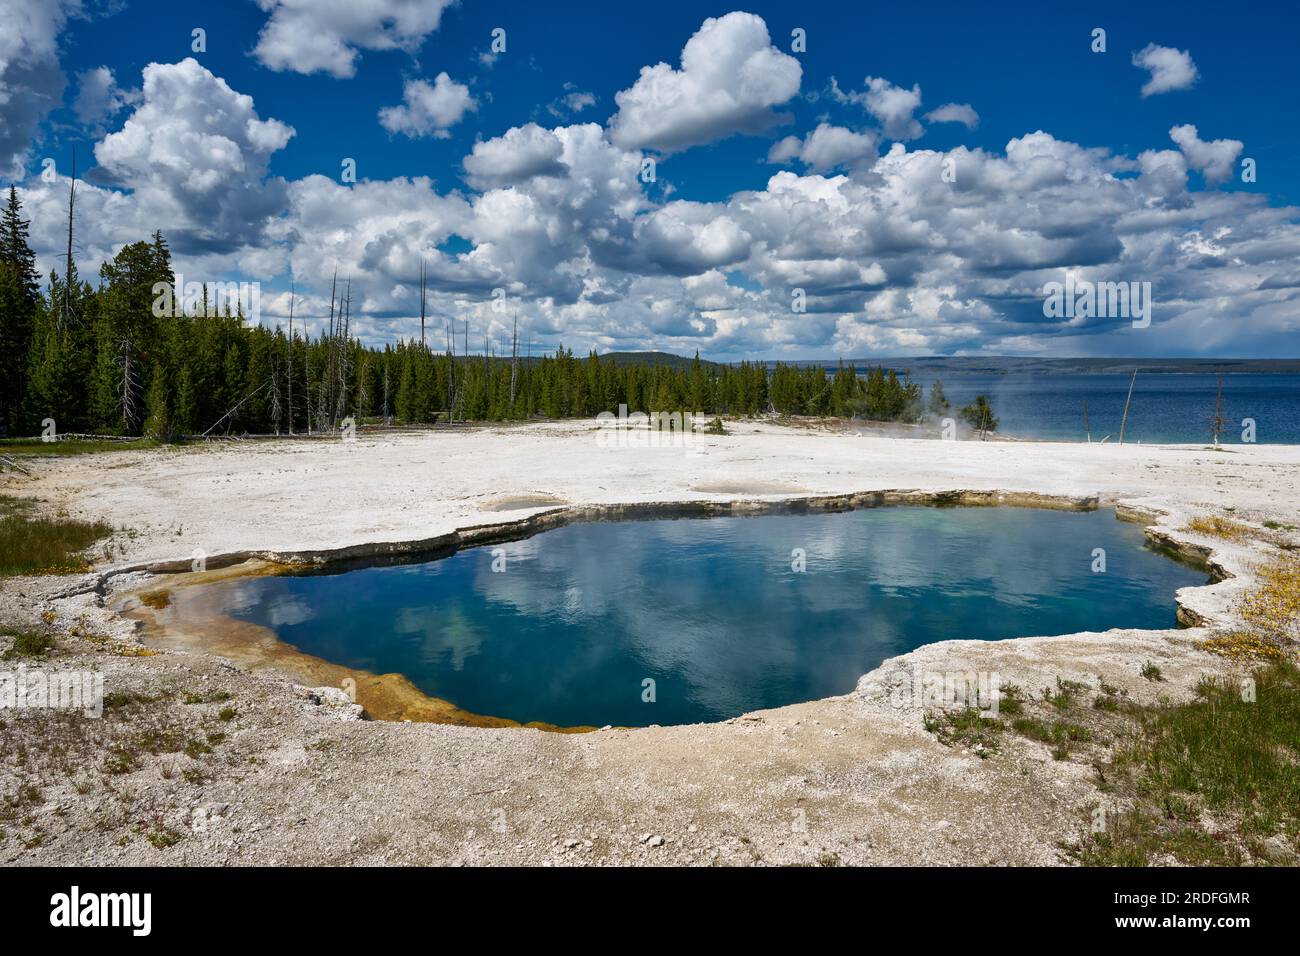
(1217, 424)
(514, 361)
(290, 364)
(328, 383)
(129, 385)
(385, 409)
(451, 373)
(342, 364)
(1124, 422)
(276, 410)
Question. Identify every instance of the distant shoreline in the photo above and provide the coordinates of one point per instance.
(1012, 365)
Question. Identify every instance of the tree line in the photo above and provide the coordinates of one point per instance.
(104, 360)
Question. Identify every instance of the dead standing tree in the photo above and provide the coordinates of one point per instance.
(66, 316)
(1216, 423)
(1124, 421)
(342, 363)
(289, 379)
(514, 361)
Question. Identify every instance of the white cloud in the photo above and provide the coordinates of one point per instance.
(571, 103)
(730, 79)
(962, 113)
(31, 82)
(826, 147)
(323, 36)
(99, 98)
(894, 106)
(1216, 160)
(428, 110)
(893, 258)
(891, 105)
(521, 153)
(195, 154)
(1171, 69)
(687, 238)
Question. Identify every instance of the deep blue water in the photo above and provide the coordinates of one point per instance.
(1167, 407)
(711, 609)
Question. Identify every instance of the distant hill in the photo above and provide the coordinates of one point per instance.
(654, 358)
(1008, 364)
(996, 364)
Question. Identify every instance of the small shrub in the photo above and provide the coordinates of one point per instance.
(120, 761)
(1215, 527)
(210, 697)
(1066, 691)
(29, 644)
(967, 728)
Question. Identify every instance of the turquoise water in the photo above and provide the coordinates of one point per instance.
(711, 609)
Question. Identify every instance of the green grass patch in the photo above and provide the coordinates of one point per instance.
(1136, 839)
(1011, 700)
(32, 447)
(44, 545)
(29, 644)
(208, 697)
(115, 700)
(1058, 734)
(1232, 754)
(1064, 696)
(966, 728)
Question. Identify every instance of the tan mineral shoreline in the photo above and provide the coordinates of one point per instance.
(855, 779)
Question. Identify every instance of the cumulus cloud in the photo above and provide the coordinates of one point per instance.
(894, 106)
(894, 258)
(99, 98)
(31, 82)
(428, 110)
(826, 147)
(1216, 160)
(519, 154)
(195, 153)
(962, 113)
(688, 238)
(730, 80)
(324, 36)
(1171, 69)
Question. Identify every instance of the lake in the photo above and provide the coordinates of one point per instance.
(714, 611)
(1167, 407)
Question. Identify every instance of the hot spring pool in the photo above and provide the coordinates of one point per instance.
(714, 611)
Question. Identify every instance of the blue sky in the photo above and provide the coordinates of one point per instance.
(708, 255)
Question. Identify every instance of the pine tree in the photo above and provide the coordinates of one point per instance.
(979, 416)
(184, 415)
(158, 420)
(19, 292)
(938, 405)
